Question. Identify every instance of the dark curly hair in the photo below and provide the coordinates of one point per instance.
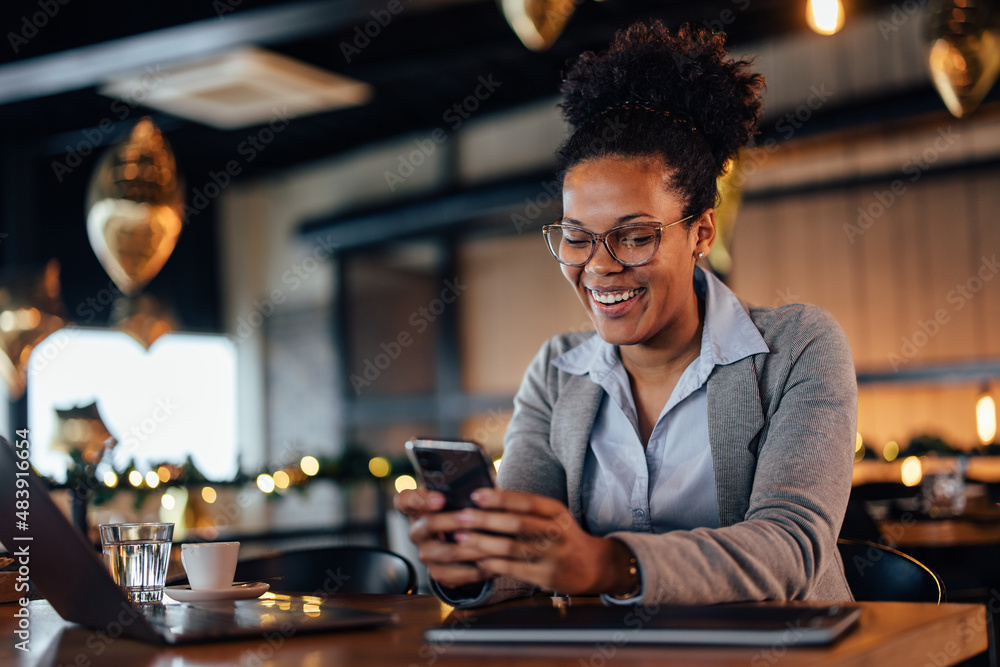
(673, 97)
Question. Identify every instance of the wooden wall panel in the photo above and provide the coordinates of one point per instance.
(882, 294)
(886, 286)
(947, 232)
(751, 247)
(986, 195)
(901, 413)
(517, 298)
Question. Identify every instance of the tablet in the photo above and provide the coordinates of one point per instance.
(718, 625)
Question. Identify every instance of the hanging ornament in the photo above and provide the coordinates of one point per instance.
(81, 429)
(730, 186)
(143, 317)
(538, 23)
(30, 310)
(135, 207)
(964, 40)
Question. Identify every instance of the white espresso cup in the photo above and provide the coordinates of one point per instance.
(210, 565)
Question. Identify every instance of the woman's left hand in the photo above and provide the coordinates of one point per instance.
(535, 539)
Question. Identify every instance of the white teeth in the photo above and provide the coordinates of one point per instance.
(613, 297)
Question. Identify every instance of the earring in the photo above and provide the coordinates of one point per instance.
(700, 255)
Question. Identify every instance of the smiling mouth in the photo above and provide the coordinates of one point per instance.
(615, 297)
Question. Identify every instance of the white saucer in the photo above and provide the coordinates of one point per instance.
(234, 592)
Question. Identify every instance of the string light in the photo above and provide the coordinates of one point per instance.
(110, 479)
(825, 17)
(404, 482)
(986, 418)
(209, 495)
(911, 471)
(309, 465)
(281, 479)
(890, 451)
(135, 478)
(265, 483)
(379, 466)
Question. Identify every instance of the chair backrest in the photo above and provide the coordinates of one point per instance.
(328, 570)
(881, 574)
(347, 569)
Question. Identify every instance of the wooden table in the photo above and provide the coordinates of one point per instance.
(957, 532)
(889, 633)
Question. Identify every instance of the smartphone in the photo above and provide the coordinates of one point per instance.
(456, 468)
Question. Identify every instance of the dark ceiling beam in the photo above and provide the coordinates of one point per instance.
(438, 213)
(94, 65)
(982, 371)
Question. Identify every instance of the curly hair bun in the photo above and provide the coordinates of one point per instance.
(687, 73)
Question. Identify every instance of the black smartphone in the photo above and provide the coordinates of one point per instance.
(456, 468)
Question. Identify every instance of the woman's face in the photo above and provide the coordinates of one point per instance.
(658, 297)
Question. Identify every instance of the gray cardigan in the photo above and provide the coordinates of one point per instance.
(782, 431)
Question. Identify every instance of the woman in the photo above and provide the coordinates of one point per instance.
(694, 450)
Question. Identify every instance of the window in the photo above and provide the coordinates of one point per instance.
(177, 399)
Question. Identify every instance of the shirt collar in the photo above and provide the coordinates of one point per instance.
(728, 335)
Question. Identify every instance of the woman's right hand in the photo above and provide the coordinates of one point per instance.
(449, 563)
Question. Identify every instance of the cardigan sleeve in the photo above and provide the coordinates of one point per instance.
(528, 465)
(785, 548)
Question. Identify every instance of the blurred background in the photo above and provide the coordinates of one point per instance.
(249, 248)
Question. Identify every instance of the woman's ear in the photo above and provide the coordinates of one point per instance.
(703, 233)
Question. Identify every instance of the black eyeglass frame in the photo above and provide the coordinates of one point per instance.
(594, 238)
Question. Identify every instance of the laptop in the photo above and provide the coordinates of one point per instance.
(73, 577)
(714, 625)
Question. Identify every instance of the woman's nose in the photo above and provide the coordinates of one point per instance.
(602, 263)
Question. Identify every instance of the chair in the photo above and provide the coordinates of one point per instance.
(878, 573)
(858, 523)
(344, 569)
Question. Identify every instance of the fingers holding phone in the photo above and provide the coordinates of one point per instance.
(415, 503)
(450, 472)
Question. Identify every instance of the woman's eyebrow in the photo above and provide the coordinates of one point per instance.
(622, 220)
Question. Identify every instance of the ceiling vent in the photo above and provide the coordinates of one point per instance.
(238, 89)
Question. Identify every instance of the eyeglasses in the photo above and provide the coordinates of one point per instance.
(633, 244)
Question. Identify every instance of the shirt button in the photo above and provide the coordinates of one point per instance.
(639, 514)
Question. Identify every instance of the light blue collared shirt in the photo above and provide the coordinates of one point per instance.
(669, 484)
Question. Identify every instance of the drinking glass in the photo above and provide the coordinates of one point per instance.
(943, 490)
(137, 556)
